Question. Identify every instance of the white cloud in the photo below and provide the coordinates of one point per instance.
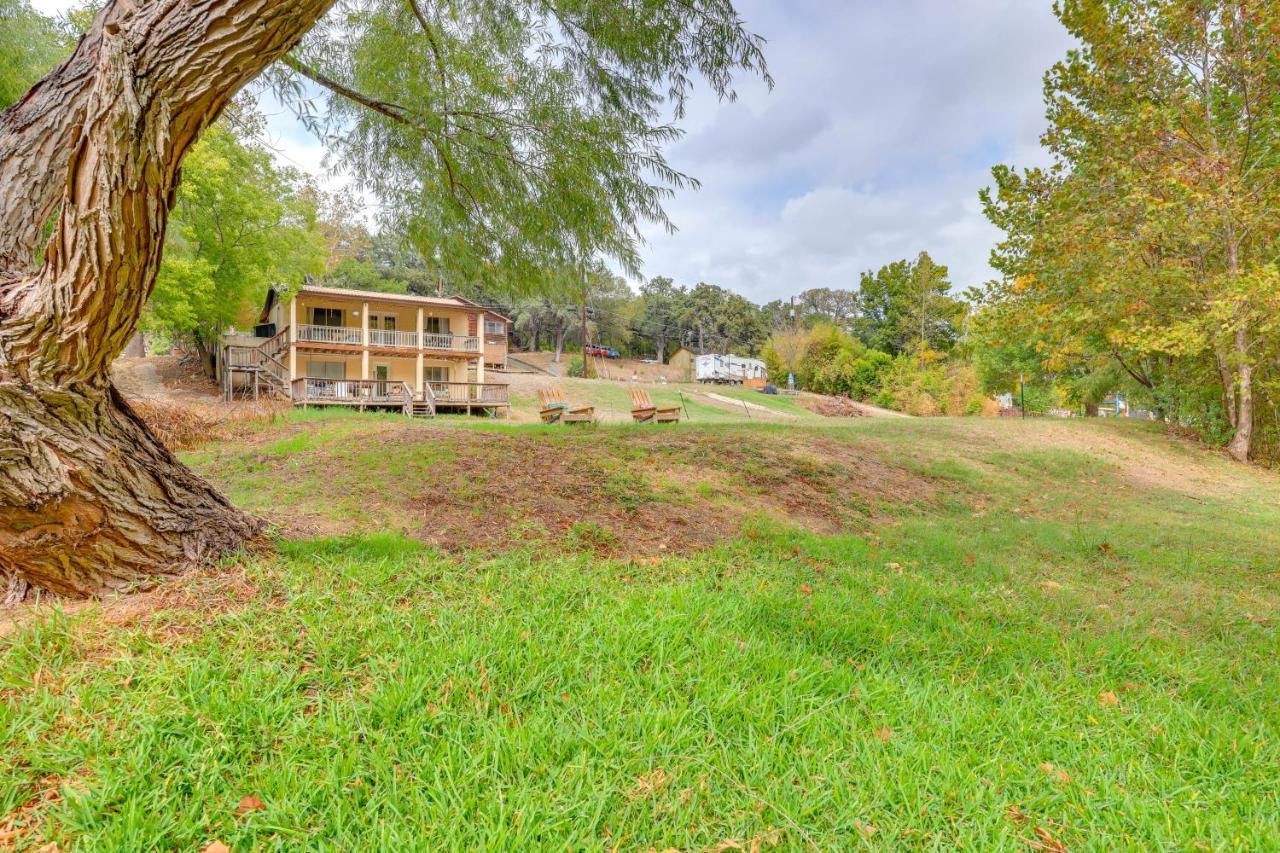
(884, 124)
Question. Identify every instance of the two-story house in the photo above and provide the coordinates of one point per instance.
(333, 346)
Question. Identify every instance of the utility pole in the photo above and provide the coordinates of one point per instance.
(924, 302)
(582, 318)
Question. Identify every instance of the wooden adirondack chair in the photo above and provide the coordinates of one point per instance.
(555, 409)
(643, 410)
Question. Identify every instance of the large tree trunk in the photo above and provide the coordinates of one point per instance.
(1228, 386)
(89, 498)
(1242, 440)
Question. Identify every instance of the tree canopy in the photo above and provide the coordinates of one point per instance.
(1151, 241)
(239, 226)
(510, 138)
(30, 45)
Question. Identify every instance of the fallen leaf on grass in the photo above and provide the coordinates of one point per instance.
(805, 589)
(1106, 548)
(1056, 772)
(251, 803)
(1015, 815)
(771, 838)
(216, 847)
(867, 829)
(1051, 585)
(1108, 699)
(885, 734)
(1044, 840)
(650, 784)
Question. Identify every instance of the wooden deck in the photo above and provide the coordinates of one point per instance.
(394, 394)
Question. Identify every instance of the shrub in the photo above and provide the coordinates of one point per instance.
(933, 389)
(574, 367)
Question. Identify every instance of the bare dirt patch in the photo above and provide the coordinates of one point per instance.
(164, 378)
(843, 407)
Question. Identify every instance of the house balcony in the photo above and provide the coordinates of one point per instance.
(387, 339)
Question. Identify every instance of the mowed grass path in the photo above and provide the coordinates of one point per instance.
(1075, 645)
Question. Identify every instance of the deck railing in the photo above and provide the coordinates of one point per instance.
(355, 391)
(479, 393)
(241, 356)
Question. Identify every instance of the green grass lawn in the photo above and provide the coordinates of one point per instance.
(1071, 641)
(612, 401)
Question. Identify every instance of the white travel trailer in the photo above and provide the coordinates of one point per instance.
(727, 369)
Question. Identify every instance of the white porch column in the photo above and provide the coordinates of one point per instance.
(421, 386)
(364, 340)
(480, 369)
(293, 337)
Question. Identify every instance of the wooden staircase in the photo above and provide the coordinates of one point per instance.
(260, 366)
(271, 370)
(424, 408)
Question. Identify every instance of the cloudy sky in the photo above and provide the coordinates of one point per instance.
(885, 122)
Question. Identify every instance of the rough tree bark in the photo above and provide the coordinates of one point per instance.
(1242, 439)
(90, 500)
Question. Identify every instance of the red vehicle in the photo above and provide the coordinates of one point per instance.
(602, 352)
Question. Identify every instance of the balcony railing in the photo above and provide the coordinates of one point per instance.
(388, 338)
(330, 335)
(391, 338)
(453, 343)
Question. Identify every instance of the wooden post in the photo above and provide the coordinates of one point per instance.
(421, 386)
(364, 341)
(293, 337)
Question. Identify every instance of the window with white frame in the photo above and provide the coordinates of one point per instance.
(495, 327)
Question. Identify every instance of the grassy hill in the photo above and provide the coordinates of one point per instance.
(809, 635)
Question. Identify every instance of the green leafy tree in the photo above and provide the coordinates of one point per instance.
(701, 315)
(240, 225)
(30, 45)
(713, 319)
(612, 306)
(511, 139)
(828, 305)
(663, 307)
(551, 315)
(1150, 241)
(908, 306)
